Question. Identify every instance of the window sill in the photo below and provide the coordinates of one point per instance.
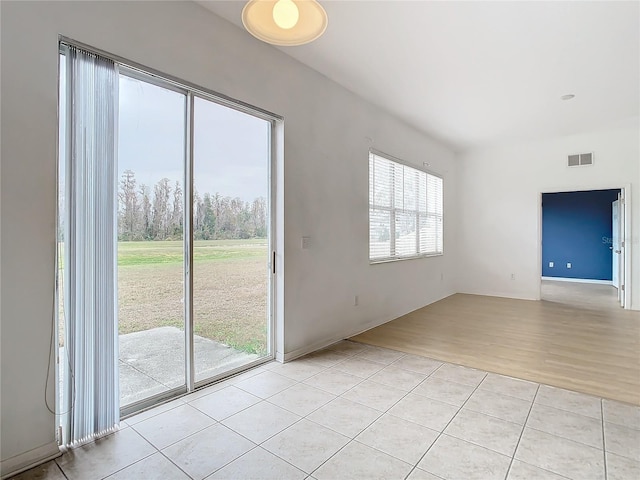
(400, 259)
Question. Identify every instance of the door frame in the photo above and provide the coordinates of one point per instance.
(617, 206)
(625, 190)
(275, 334)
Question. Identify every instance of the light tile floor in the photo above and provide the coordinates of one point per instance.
(358, 412)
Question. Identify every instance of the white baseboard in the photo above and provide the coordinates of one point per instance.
(515, 296)
(331, 340)
(32, 458)
(347, 333)
(287, 357)
(578, 280)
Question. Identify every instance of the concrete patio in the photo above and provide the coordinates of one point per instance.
(152, 362)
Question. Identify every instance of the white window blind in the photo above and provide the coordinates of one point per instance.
(405, 211)
(91, 397)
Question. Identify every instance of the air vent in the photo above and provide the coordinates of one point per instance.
(580, 159)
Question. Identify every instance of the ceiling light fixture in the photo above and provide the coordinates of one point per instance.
(569, 96)
(285, 22)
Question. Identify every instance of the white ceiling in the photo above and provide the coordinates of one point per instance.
(478, 73)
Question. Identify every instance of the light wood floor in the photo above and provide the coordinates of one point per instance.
(568, 339)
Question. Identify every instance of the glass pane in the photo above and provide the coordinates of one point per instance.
(439, 196)
(405, 234)
(379, 234)
(434, 194)
(231, 238)
(428, 234)
(151, 153)
(382, 173)
(422, 192)
(410, 189)
(398, 184)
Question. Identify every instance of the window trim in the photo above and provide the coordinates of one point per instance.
(392, 212)
(165, 80)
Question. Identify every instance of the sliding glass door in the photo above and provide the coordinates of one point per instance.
(231, 238)
(151, 159)
(193, 240)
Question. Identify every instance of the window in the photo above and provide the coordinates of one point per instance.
(405, 211)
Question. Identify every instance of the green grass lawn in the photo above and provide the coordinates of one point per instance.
(165, 252)
(230, 289)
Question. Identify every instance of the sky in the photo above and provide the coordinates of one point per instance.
(231, 148)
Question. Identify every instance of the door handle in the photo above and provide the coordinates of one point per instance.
(618, 251)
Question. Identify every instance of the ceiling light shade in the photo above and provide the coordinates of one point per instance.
(285, 22)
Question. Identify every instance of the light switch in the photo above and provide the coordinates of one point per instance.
(550, 264)
(568, 265)
(306, 242)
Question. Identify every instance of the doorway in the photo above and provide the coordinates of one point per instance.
(195, 236)
(582, 256)
(617, 247)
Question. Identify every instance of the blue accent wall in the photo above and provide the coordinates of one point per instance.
(576, 229)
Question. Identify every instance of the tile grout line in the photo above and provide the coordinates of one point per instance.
(328, 368)
(256, 446)
(216, 422)
(175, 464)
(449, 422)
(79, 447)
(182, 397)
(324, 369)
(302, 382)
(60, 468)
(341, 396)
(524, 425)
(351, 440)
(133, 463)
(181, 439)
(383, 385)
(545, 469)
(151, 416)
(362, 380)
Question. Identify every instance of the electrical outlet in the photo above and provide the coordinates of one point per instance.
(568, 265)
(441, 276)
(356, 301)
(513, 276)
(306, 242)
(550, 264)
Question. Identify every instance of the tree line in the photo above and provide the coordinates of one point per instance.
(146, 214)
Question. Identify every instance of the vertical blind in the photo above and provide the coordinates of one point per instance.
(90, 397)
(405, 211)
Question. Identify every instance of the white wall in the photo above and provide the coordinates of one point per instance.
(500, 210)
(325, 196)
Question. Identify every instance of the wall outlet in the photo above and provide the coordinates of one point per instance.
(550, 264)
(356, 301)
(513, 276)
(306, 242)
(568, 265)
(441, 276)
